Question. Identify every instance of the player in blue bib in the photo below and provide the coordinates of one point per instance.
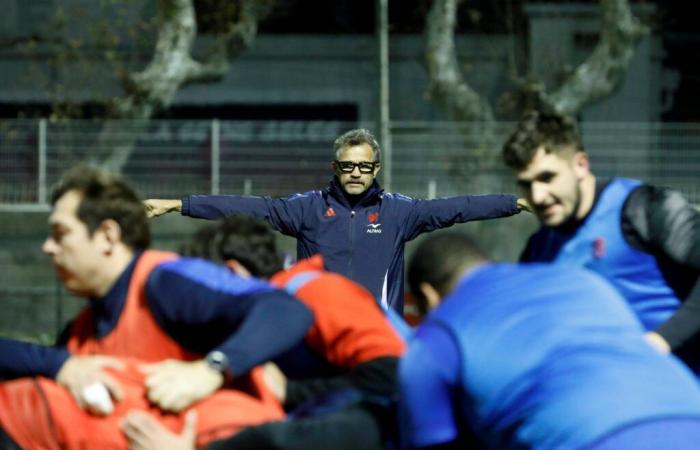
(534, 356)
(645, 240)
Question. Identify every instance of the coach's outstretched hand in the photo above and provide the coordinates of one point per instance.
(524, 205)
(158, 206)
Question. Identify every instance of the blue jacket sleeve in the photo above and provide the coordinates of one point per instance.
(206, 307)
(283, 214)
(429, 215)
(23, 359)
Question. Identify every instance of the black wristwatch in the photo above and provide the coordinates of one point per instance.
(218, 361)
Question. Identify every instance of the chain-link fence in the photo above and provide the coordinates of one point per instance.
(174, 158)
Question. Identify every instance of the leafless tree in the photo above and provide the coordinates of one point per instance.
(598, 77)
(173, 65)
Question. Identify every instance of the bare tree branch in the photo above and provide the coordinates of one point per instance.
(227, 46)
(604, 72)
(173, 66)
(447, 85)
(598, 77)
(156, 85)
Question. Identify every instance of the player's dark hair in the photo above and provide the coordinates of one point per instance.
(439, 260)
(554, 132)
(249, 241)
(106, 196)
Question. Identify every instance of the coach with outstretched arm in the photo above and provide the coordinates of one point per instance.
(359, 229)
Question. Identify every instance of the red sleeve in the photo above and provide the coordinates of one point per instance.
(350, 327)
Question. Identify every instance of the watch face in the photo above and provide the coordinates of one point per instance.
(217, 360)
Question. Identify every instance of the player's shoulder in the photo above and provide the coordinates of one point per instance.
(308, 195)
(396, 196)
(655, 198)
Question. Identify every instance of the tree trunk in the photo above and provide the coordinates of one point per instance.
(447, 86)
(605, 70)
(172, 67)
(595, 79)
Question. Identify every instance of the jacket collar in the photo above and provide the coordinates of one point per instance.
(108, 309)
(336, 191)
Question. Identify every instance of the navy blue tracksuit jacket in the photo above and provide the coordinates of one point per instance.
(364, 242)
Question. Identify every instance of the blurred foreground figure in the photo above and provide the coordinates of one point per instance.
(644, 239)
(201, 328)
(534, 357)
(342, 382)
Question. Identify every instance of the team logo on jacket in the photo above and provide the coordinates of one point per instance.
(329, 212)
(373, 225)
(598, 248)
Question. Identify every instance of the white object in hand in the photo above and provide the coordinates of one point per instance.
(97, 397)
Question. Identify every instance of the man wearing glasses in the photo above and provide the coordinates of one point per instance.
(359, 229)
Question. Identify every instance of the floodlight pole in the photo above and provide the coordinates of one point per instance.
(382, 15)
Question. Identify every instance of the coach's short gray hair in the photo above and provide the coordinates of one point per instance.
(355, 137)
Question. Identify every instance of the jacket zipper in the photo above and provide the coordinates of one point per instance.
(352, 243)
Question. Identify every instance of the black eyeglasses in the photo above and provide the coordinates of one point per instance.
(349, 166)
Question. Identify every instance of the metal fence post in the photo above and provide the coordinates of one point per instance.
(215, 156)
(382, 8)
(41, 169)
(432, 189)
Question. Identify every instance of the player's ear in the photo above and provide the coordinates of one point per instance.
(109, 234)
(431, 295)
(582, 166)
(238, 268)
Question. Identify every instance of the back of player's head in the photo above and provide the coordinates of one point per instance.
(439, 261)
(556, 133)
(249, 241)
(106, 196)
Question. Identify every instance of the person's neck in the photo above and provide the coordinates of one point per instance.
(113, 266)
(587, 197)
(354, 199)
